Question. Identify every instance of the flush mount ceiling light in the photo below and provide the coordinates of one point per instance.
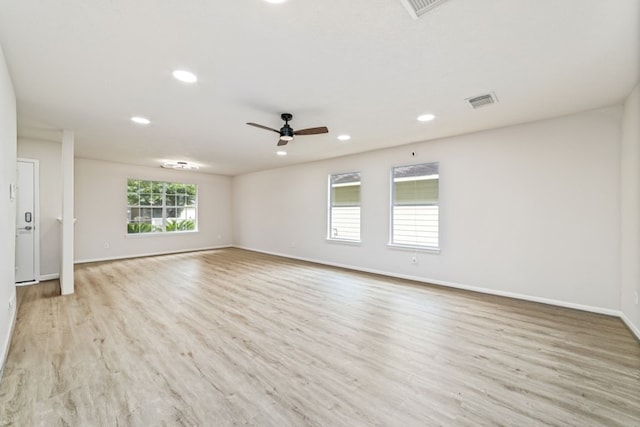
(426, 117)
(140, 120)
(180, 165)
(275, 1)
(281, 153)
(185, 76)
(344, 137)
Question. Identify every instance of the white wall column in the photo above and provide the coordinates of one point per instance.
(66, 267)
(630, 212)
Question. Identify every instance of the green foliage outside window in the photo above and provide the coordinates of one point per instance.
(157, 206)
(182, 225)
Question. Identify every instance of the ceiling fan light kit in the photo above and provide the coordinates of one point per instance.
(287, 132)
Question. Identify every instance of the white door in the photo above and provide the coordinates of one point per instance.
(27, 229)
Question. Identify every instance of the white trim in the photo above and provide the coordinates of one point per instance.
(164, 208)
(84, 261)
(330, 207)
(559, 303)
(344, 241)
(410, 248)
(633, 328)
(33, 282)
(36, 219)
(158, 233)
(346, 184)
(417, 177)
(67, 231)
(36, 209)
(52, 276)
(7, 343)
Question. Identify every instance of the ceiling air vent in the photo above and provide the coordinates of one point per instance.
(417, 8)
(482, 100)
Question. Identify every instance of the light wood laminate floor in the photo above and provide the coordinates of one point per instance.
(231, 337)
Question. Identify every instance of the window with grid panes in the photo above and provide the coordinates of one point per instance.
(160, 207)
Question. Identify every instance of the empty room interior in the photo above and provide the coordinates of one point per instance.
(292, 213)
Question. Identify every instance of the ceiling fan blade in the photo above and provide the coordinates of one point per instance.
(311, 131)
(263, 127)
(282, 142)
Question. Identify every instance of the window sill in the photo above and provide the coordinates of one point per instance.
(165, 233)
(432, 250)
(345, 242)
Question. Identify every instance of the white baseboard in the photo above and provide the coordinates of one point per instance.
(34, 282)
(633, 328)
(7, 343)
(52, 276)
(559, 303)
(84, 261)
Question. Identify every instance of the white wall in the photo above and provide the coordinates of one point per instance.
(8, 142)
(49, 155)
(529, 210)
(101, 212)
(630, 212)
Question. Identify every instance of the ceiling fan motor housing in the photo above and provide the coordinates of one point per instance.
(286, 132)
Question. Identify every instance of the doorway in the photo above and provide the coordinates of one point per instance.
(27, 223)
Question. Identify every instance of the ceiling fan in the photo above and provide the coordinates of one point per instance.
(287, 133)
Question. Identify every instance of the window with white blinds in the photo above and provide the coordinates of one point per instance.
(344, 206)
(414, 210)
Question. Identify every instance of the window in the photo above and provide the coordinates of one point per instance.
(414, 210)
(158, 207)
(344, 206)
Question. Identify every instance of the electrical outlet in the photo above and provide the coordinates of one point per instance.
(293, 244)
(11, 303)
(414, 259)
(106, 245)
(636, 297)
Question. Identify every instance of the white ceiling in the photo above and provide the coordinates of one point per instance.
(362, 67)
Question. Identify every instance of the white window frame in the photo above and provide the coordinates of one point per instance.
(161, 229)
(395, 243)
(330, 208)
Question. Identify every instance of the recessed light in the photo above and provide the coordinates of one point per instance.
(281, 153)
(185, 76)
(275, 1)
(426, 117)
(180, 165)
(344, 137)
(140, 120)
